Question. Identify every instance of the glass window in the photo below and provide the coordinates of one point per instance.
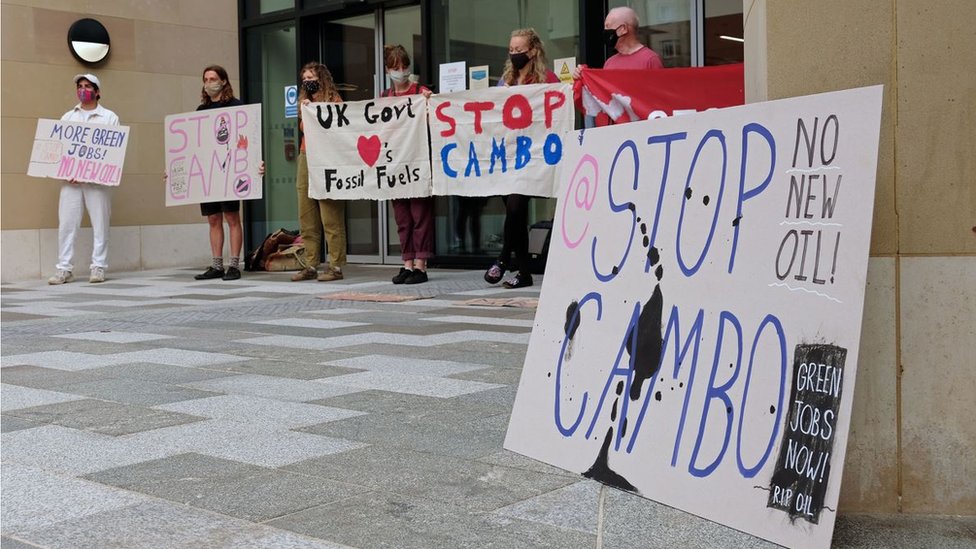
(723, 34)
(253, 8)
(270, 57)
(665, 26)
(477, 32)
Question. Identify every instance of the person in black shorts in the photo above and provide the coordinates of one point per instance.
(218, 93)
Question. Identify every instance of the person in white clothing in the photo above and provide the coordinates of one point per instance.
(75, 196)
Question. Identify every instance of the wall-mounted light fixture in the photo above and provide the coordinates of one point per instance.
(88, 41)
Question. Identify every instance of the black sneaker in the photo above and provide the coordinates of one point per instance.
(233, 273)
(416, 277)
(520, 280)
(402, 276)
(495, 273)
(210, 273)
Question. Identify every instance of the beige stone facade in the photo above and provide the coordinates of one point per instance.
(913, 437)
(159, 49)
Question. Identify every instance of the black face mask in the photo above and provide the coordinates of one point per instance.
(519, 60)
(610, 37)
(311, 86)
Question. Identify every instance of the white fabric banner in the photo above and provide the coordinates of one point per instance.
(499, 141)
(699, 345)
(88, 153)
(374, 149)
(213, 155)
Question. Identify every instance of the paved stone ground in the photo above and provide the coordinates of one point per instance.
(153, 411)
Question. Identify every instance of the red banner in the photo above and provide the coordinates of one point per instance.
(628, 95)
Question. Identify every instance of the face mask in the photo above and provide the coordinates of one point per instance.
(213, 89)
(610, 37)
(311, 87)
(519, 60)
(399, 76)
(86, 95)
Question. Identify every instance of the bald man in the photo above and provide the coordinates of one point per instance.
(620, 33)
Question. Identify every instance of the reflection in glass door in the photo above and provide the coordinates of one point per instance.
(349, 49)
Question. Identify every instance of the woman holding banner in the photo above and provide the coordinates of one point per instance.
(526, 64)
(414, 216)
(314, 216)
(218, 93)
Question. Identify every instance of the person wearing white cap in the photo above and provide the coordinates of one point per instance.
(75, 196)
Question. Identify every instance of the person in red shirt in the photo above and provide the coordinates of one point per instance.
(526, 64)
(414, 216)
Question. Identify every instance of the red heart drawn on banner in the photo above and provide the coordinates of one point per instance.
(369, 149)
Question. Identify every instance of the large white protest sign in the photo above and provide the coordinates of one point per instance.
(213, 155)
(699, 342)
(88, 153)
(499, 141)
(374, 149)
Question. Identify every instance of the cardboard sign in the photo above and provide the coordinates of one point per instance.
(374, 149)
(87, 153)
(213, 155)
(499, 141)
(700, 344)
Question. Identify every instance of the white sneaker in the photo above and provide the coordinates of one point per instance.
(97, 275)
(61, 277)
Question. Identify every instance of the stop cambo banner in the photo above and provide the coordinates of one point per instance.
(374, 149)
(630, 95)
(700, 345)
(499, 141)
(213, 155)
(86, 153)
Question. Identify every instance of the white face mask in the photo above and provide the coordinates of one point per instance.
(214, 88)
(399, 77)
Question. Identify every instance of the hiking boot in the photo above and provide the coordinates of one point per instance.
(61, 277)
(520, 280)
(402, 276)
(494, 273)
(233, 273)
(97, 275)
(329, 275)
(209, 274)
(307, 273)
(416, 277)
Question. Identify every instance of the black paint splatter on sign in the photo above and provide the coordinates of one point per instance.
(600, 471)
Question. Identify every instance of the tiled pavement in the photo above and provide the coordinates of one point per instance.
(156, 411)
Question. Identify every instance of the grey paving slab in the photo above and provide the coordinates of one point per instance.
(115, 337)
(11, 543)
(408, 406)
(407, 366)
(163, 525)
(64, 360)
(47, 378)
(74, 452)
(472, 485)
(34, 498)
(108, 418)
(630, 520)
(9, 424)
(471, 439)
(14, 397)
(385, 520)
(237, 441)
(178, 357)
(321, 324)
(135, 391)
(274, 387)
(380, 337)
(574, 507)
(284, 368)
(227, 487)
(10, 316)
(272, 414)
(482, 320)
(412, 384)
(867, 531)
(162, 373)
(496, 376)
(501, 357)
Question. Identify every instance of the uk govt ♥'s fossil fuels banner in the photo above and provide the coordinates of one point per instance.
(699, 343)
